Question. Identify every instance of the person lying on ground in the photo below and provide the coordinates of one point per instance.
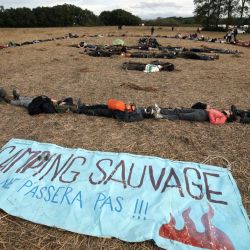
(242, 43)
(243, 114)
(42, 104)
(166, 55)
(162, 66)
(116, 109)
(196, 56)
(72, 35)
(106, 51)
(80, 45)
(194, 114)
(171, 48)
(145, 43)
(205, 49)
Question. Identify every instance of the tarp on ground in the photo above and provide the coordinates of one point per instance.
(180, 205)
(118, 42)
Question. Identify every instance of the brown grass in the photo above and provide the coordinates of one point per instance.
(61, 71)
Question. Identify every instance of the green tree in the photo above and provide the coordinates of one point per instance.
(230, 9)
(119, 17)
(105, 17)
(60, 15)
(205, 11)
(243, 9)
(218, 11)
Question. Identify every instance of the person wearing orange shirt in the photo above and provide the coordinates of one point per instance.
(116, 109)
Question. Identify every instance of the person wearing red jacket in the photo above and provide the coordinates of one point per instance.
(199, 112)
(218, 117)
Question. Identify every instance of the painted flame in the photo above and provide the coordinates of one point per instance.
(212, 238)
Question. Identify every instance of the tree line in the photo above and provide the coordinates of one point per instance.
(63, 16)
(212, 13)
(172, 21)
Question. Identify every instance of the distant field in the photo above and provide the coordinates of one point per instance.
(24, 34)
(57, 70)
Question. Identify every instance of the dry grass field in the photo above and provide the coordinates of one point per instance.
(57, 70)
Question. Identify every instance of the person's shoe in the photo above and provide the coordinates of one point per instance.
(157, 109)
(150, 110)
(216, 56)
(15, 94)
(158, 116)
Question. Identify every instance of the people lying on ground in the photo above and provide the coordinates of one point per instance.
(116, 109)
(194, 114)
(161, 66)
(42, 104)
(196, 56)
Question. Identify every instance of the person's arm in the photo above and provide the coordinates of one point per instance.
(216, 117)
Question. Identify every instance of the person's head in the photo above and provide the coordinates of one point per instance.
(130, 107)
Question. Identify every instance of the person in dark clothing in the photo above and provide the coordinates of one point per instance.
(166, 55)
(42, 104)
(127, 114)
(187, 114)
(213, 50)
(195, 56)
(235, 33)
(243, 114)
(201, 113)
(145, 43)
(164, 66)
(245, 117)
(152, 30)
(107, 51)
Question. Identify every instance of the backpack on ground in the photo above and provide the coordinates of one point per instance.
(41, 104)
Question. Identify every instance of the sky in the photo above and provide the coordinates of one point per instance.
(145, 9)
